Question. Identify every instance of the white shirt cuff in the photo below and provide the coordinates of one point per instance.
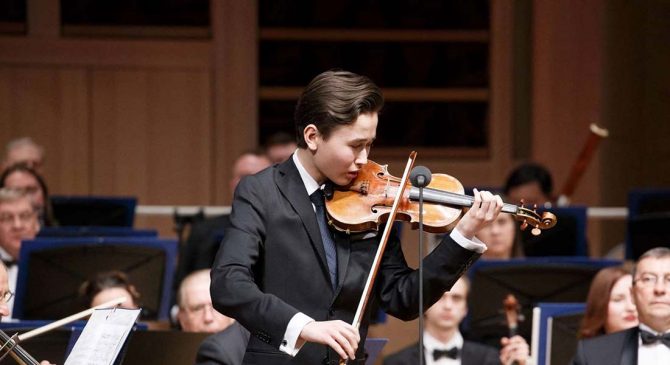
(291, 343)
(473, 245)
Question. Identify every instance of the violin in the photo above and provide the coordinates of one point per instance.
(512, 316)
(365, 203)
(10, 346)
(511, 308)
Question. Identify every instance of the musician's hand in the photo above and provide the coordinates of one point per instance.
(44, 362)
(514, 349)
(339, 335)
(484, 210)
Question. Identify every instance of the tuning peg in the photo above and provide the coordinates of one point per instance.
(535, 231)
(524, 225)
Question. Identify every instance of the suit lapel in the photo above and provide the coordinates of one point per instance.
(467, 356)
(290, 184)
(630, 345)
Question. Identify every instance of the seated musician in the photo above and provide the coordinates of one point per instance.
(5, 296)
(444, 344)
(196, 313)
(18, 222)
(109, 285)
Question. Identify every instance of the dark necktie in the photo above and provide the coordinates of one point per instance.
(452, 353)
(326, 236)
(649, 338)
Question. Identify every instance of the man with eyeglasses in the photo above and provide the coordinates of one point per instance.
(196, 314)
(5, 296)
(18, 222)
(648, 344)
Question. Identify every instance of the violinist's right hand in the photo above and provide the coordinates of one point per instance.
(484, 210)
(339, 335)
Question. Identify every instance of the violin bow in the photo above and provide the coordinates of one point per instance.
(382, 245)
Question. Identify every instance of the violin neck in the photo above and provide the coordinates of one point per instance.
(448, 198)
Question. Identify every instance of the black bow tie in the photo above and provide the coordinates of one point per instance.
(452, 353)
(9, 263)
(649, 338)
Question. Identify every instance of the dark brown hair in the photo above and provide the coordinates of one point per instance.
(335, 98)
(46, 216)
(597, 301)
(105, 280)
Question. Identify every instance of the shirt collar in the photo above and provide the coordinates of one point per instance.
(5, 256)
(431, 343)
(648, 329)
(310, 184)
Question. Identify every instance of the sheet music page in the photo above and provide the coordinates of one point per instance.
(103, 337)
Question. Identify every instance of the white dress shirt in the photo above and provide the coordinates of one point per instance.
(652, 354)
(12, 277)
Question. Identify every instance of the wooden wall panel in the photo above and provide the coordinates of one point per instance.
(567, 87)
(50, 105)
(151, 135)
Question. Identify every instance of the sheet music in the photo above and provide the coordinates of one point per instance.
(103, 337)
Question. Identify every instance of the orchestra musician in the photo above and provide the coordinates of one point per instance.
(292, 280)
(444, 343)
(6, 295)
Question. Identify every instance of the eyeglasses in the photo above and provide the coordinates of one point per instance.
(25, 217)
(6, 297)
(29, 190)
(650, 280)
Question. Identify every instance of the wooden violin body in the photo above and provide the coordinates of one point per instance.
(365, 203)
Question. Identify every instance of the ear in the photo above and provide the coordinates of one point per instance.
(312, 137)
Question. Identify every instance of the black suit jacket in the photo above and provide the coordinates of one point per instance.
(199, 250)
(472, 353)
(272, 265)
(619, 348)
(224, 348)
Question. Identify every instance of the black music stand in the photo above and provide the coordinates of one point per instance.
(94, 210)
(531, 280)
(566, 238)
(51, 271)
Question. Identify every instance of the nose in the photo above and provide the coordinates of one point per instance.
(17, 222)
(208, 315)
(660, 287)
(362, 157)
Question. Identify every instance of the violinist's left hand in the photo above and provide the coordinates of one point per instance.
(484, 210)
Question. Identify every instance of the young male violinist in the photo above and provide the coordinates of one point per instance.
(293, 282)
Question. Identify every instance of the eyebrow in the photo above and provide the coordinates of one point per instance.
(358, 140)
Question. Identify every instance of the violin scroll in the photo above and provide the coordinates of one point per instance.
(530, 217)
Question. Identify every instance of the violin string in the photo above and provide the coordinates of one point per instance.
(14, 346)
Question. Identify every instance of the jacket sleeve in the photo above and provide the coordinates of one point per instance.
(398, 284)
